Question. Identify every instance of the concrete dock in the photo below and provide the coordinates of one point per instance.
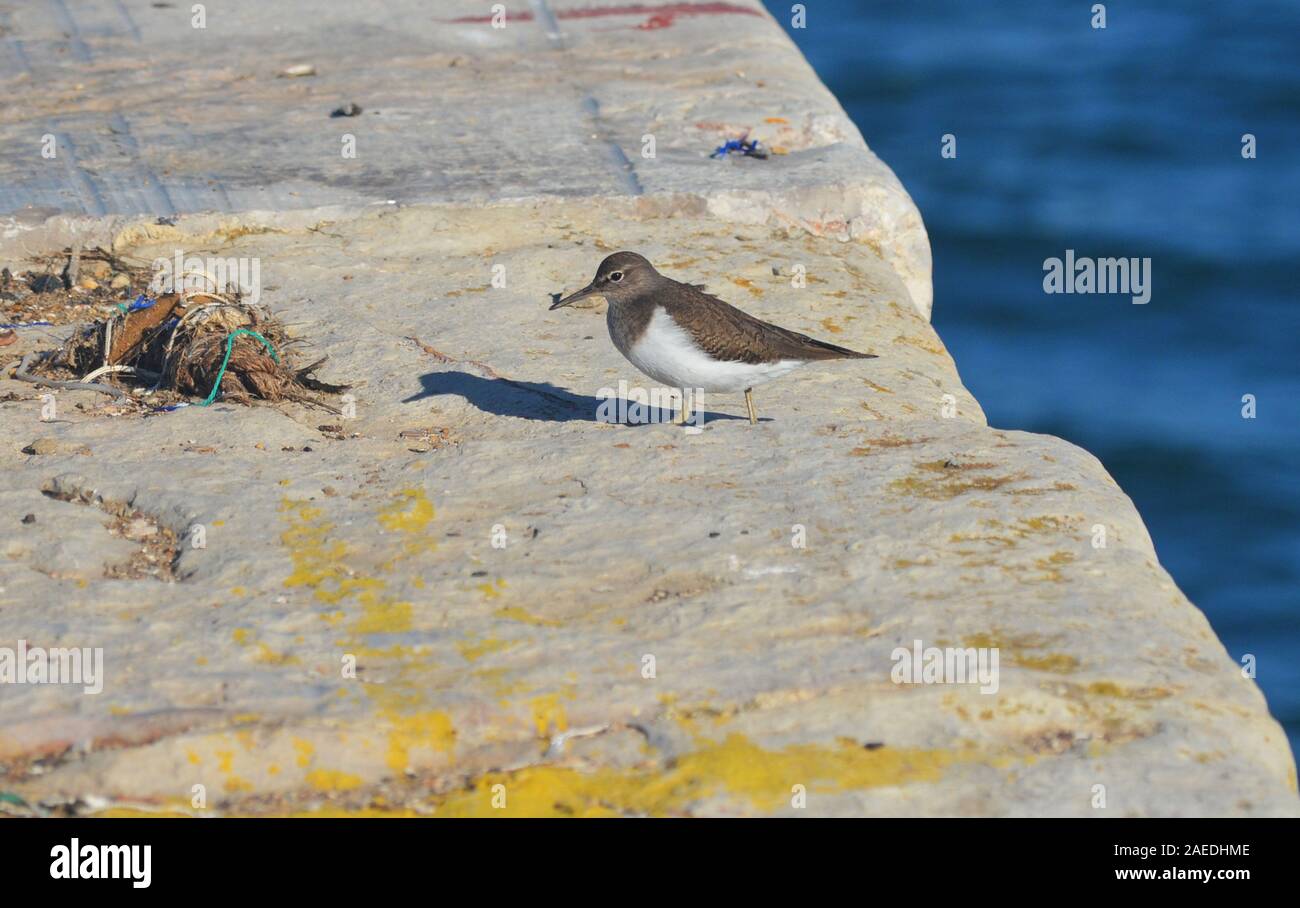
(468, 595)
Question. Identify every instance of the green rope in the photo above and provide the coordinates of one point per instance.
(230, 342)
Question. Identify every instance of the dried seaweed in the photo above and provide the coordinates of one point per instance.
(178, 343)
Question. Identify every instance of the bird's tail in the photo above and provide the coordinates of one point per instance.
(822, 350)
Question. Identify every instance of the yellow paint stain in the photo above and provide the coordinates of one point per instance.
(382, 616)
(305, 750)
(1013, 649)
(350, 586)
(322, 565)
(950, 485)
(410, 513)
(829, 324)
(193, 757)
(549, 716)
(491, 590)
(225, 760)
(267, 656)
(517, 613)
(408, 726)
(242, 635)
(318, 563)
(333, 780)
(431, 729)
(473, 650)
(736, 767)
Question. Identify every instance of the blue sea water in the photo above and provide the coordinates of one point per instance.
(1123, 141)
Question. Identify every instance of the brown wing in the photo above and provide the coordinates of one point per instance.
(728, 334)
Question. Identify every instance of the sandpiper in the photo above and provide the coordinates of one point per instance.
(685, 338)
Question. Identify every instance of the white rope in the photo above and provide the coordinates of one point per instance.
(129, 370)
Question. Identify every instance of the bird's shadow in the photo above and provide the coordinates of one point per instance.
(532, 400)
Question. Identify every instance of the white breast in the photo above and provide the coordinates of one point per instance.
(667, 353)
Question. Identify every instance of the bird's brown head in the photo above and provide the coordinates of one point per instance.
(621, 276)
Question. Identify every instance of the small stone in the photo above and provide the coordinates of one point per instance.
(347, 110)
(88, 283)
(119, 282)
(97, 269)
(42, 446)
(29, 518)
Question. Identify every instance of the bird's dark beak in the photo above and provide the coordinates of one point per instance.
(572, 298)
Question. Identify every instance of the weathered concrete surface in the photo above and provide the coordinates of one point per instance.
(525, 665)
(556, 103)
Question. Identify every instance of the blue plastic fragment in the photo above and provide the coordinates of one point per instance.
(29, 325)
(750, 148)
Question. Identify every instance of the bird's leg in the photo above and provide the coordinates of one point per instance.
(749, 405)
(683, 414)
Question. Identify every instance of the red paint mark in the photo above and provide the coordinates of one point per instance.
(661, 16)
(658, 20)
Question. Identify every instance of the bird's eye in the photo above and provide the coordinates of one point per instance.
(616, 276)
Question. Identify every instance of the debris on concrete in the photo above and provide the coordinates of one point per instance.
(194, 343)
(69, 287)
(746, 147)
(431, 438)
(347, 110)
